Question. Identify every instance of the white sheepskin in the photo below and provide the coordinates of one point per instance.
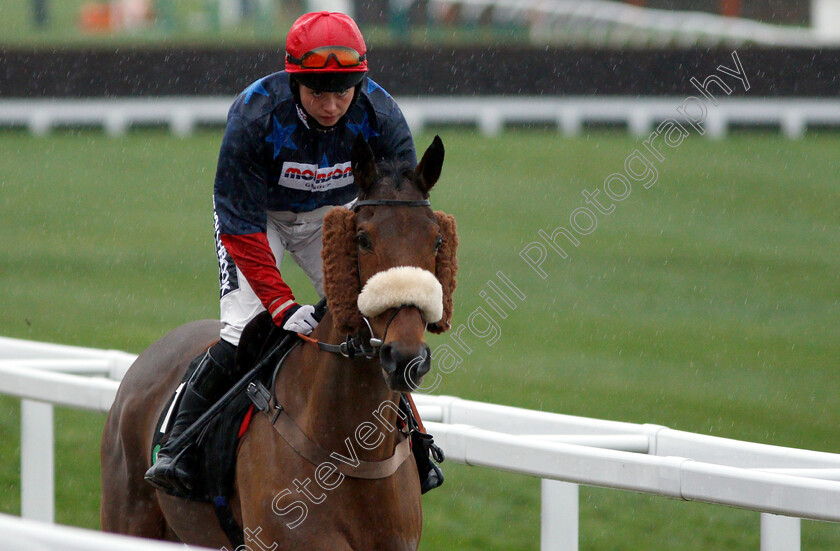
(403, 285)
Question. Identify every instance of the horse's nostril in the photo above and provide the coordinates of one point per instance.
(404, 368)
(386, 357)
(426, 357)
(422, 362)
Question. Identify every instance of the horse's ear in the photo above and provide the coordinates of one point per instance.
(446, 268)
(341, 271)
(363, 164)
(429, 167)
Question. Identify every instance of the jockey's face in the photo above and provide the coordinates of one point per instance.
(326, 107)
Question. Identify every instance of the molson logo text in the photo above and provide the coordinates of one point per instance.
(312, 178)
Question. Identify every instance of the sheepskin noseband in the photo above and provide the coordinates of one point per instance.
(399, 286)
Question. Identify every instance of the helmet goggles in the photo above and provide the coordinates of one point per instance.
(319, 58)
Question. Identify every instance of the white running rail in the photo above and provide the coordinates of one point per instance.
(785, 484)
(490, 114)
(20, 533)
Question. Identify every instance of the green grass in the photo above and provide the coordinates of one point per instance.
(708, 303)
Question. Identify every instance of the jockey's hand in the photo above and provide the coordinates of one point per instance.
(300, 319)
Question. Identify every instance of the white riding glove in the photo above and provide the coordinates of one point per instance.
(301, 320)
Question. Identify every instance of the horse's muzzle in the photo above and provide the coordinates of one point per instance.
(404, 368)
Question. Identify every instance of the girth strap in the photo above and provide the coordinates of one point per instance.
(315, 454)
(224, 514)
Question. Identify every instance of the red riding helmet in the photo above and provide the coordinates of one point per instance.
(325, 51)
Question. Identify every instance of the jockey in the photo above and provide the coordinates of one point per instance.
(284, 162)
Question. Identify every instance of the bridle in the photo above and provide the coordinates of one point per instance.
(391, 203)
(354, 345)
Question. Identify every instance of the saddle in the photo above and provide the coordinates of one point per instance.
(214, 448)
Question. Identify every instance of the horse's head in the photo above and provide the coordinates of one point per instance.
(391, 262)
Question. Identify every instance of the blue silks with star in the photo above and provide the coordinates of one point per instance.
(255, 88)
(363, 128)
(270, 161)
(281, 136)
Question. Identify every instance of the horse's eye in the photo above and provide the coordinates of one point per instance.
(439, 242)
(363, 241)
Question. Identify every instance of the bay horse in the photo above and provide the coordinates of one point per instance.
(340, 476)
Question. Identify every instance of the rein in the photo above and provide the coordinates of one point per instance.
(354, 345)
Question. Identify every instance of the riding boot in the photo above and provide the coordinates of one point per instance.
(210, 380)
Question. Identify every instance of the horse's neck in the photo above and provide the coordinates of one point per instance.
(333, 398)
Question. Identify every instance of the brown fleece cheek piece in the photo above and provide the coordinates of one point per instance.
(446, 268)
(341, 272)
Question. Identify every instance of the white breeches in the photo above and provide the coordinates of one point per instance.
(299, 234)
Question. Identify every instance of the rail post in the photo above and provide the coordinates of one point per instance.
(780, 533)
(37, 463)
(559, 517)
